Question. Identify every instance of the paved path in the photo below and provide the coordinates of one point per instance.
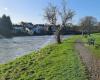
(92, 64)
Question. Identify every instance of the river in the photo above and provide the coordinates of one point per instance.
(19, 46)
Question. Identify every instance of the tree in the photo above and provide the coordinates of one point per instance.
(87, 23)
(6, 26)
(66, 15)
(51, 14)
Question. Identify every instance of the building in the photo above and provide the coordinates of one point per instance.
(18, 29)
(30, 29)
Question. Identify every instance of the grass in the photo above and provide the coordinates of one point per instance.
(95, 51)
(54, 62)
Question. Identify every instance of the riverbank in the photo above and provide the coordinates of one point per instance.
(54, 62)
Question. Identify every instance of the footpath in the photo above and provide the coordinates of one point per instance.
(92, 63)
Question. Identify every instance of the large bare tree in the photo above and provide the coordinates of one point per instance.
(51, 15)
(66, 15)
(87, 23)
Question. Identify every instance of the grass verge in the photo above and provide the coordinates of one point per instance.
(95, 51)
(54, 62)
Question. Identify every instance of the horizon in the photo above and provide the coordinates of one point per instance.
(32, 11)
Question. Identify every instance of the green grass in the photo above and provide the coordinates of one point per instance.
(95, 51)
(54, 62)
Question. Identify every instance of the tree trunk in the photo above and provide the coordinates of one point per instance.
(58, 35)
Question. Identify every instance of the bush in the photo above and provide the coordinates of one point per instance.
(91, 41)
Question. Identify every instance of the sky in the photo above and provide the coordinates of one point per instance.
(32, 10)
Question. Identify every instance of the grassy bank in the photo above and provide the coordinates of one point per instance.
(95, 50)
(54, 62)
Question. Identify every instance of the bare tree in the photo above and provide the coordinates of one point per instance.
(66, 15)
(51, 16)
(87, 23)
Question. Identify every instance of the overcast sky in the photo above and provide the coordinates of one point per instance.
(32, 10)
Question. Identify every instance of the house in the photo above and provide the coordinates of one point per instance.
(28, 27)
(44, 29)
(38, 28)
(29, 31)
(18, 29)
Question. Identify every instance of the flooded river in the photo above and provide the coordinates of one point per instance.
(19, 46)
